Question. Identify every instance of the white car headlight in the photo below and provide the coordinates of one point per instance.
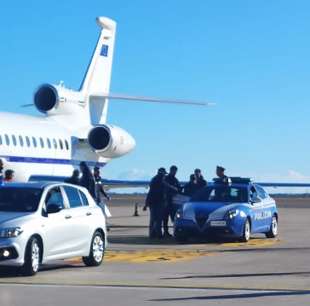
(10, 232)
(232, 213)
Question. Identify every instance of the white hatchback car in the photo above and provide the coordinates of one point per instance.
(40, 222)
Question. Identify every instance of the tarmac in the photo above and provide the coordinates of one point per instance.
(138, 271)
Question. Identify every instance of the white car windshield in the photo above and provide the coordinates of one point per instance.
(17, 199)
(221, 193)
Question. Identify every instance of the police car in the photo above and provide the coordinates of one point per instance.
(235, 210)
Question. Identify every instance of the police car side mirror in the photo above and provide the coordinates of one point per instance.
(255, 200)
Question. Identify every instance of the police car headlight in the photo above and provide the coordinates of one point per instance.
(10, 232)
(232, 214)
(179, 214)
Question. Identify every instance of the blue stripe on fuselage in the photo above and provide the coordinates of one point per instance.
(54, 161)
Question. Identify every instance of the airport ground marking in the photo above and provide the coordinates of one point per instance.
(175, 255)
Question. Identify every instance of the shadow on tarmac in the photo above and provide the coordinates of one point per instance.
(11, 272)
(302, 273)
(236, 296)
(145, 240)
(140, 240)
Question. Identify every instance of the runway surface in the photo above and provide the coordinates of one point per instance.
(139, 271)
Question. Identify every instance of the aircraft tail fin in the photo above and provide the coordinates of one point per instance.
(98, 74)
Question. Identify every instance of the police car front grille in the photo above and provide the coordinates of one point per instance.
(201, 220)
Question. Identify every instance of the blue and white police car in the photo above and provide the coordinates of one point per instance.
(234, 210)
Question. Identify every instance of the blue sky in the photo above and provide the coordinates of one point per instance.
(250, 57)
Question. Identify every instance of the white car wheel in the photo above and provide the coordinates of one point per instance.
(32, 257)
(97, 250)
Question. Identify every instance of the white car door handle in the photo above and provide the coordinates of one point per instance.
(88, 213)
(68, 217)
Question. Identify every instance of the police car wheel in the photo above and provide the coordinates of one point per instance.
(246, 231)
(273, 232)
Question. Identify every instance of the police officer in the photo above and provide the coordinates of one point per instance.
(172, 187)
(100, 192)
(155, 202)
(222, 178)
(101, 195)
(1, 170)
(74, 178)
(191, 187)
(200, 179)
(87, 179)
(8, 176)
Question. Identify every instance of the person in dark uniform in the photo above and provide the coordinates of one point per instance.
(101, 195)
(221, 192)
(74, 178)
(200, 179)
(87, 179)
(8, 176)
(172, 187)
(100, 192)
(191, 187)
(155, 202)
(1, 170)
(222, 178)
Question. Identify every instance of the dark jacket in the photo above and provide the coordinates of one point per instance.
(172, 187)
(73, 180)
(99, 190)
(155, 195)
(190, 189)
(223, 180)
(87, 181)
(201, 182)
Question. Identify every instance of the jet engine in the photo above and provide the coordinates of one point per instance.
(110, 141)
(49, 97)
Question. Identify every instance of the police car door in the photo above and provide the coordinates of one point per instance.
(257, 209)
(267, 205)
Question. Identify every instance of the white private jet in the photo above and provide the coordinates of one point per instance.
(74, 125)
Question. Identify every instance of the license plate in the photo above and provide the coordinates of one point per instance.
(218, 223)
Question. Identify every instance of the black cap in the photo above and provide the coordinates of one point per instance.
(162, 170)
(220, 168)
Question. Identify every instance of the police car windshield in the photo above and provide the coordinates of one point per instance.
(19, 199)
(221, 193)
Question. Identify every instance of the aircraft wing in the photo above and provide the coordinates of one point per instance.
(112, 184)
(275, 185)
(109, 184)
(136, 184)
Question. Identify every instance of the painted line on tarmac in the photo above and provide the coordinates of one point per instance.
(173, 255)
(255, 242)
(150, 255)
